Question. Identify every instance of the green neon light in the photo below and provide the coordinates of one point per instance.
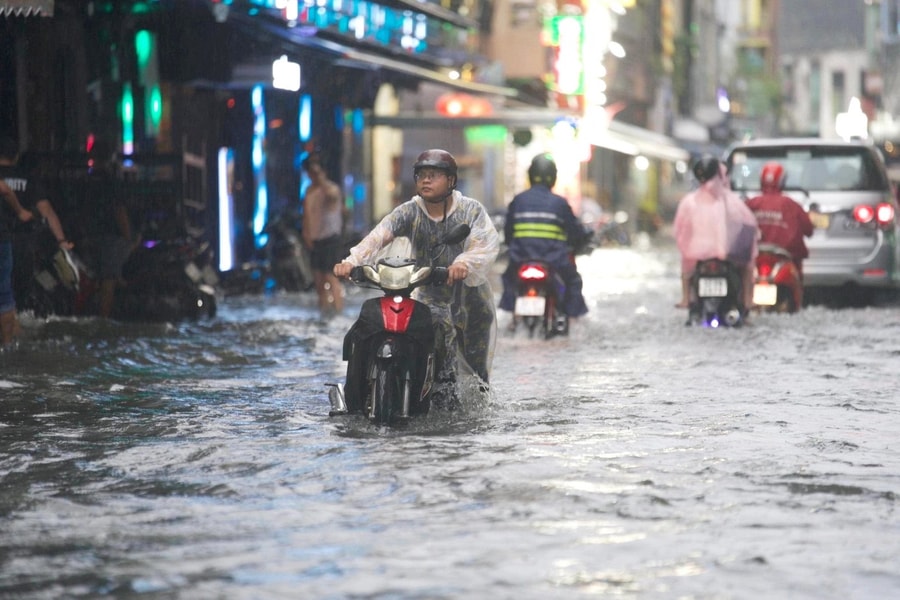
(154, 109)
(127, 117)
(143, 46)
(486, 134)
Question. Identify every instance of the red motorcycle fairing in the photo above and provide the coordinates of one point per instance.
(397, 312)
(401, 327)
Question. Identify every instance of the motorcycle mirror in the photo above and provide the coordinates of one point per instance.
(457, 234)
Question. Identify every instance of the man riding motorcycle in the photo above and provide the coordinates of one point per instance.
(463, 309)
(540, 225)
(782, 222)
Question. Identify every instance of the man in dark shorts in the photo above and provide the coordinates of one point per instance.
(323, 224)
(10, 210)
(109, 228)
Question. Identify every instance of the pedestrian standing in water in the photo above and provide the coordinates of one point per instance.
(11, 210)
(108, 227)
(32, 194)
(323, 225)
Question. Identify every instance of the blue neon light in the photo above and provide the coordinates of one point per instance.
(359, 121)
(226, 210)
(261, 208)
(304, 118)
(364, 20)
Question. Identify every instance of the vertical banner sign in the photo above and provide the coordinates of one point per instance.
(565, 33)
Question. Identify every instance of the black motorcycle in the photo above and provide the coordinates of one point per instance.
(539, 295)
(289, 260)
(541, 292)
(390, 349)
(716, 295)
(169, 280)
(47, 278)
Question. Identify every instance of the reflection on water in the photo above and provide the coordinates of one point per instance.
(637, 458)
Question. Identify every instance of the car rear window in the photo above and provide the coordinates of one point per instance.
(813, 168)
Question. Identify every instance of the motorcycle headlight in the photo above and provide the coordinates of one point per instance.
(395, 278)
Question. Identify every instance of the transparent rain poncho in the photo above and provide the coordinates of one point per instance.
(464, 312)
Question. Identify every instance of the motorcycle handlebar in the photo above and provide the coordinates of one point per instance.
(356, 275)
(439, 276)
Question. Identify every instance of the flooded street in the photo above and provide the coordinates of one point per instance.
(637, 458)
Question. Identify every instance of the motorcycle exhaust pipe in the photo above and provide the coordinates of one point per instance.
(337, 399)
(732, 317)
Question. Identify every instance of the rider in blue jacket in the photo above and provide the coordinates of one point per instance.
(540, 225)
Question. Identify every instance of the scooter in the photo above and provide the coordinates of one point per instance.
(715, 295)
(48, 277)
(290, 260)
(390, 349)
(167, 280)
(539, 294)
(778, 287)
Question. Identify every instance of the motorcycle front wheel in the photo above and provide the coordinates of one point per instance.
(385, 396)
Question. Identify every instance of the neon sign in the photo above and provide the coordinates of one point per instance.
(365, 21)
(566, 34)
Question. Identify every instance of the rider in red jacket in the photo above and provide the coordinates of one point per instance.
(781, 220)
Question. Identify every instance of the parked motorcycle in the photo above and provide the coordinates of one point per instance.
(390, 349)
(609, 229)
(47, 277)
(715, 295)
(289, 260)
(171, 280)
(778, 287)
(540, 292)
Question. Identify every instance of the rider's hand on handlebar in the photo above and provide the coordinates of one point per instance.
(342, 269)
(456, 272)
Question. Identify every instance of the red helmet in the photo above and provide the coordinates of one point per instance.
(771, 177)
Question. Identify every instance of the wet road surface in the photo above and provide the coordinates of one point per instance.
(637, 458)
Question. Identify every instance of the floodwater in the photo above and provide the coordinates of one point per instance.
(637, 458)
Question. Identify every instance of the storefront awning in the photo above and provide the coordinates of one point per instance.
(633, 140)
(506, 117)
(26, 8)
(620, 137)
(364, 60)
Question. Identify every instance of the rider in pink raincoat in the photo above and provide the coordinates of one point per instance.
(713, 222)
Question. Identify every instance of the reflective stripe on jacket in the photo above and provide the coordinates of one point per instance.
(540, 225)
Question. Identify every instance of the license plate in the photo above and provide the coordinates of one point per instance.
(819, 220)
(530, 306)
(765, 294)
(712, 287)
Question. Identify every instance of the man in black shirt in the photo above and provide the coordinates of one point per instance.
(10, 185)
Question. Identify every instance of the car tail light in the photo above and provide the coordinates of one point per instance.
(532, 273)
(863, 213)
(884, 213)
